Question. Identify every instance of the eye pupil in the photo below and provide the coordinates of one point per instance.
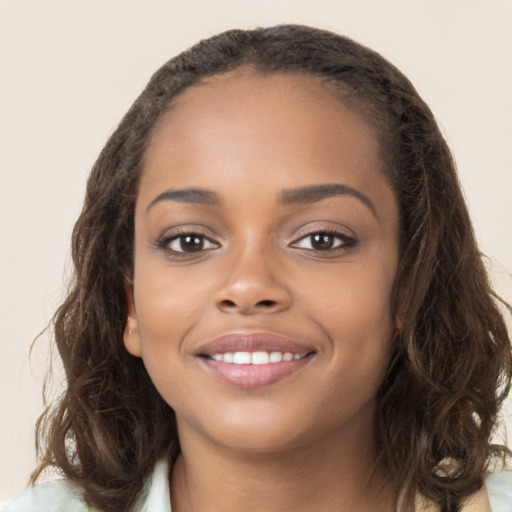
(322, 241)
(191, 243)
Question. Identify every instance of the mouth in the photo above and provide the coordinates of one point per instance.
(253, 360)
(258, 357)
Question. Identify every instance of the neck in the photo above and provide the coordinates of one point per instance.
(335, 473)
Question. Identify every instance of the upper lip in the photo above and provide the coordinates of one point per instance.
(252, 342)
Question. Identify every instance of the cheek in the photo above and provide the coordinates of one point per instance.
(357, 297)
(168, 304)
(355, 310)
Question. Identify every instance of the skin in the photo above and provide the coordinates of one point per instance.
(305, 442)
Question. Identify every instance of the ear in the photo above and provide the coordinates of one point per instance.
(397, 314)
(398, 323)
(131, 336)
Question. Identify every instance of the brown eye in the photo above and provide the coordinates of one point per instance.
(323, 241)
(189, 243)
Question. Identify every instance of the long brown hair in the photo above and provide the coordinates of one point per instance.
(438, 404)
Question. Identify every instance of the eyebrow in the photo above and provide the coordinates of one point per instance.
(314, 193)
(187, 195)
(293, 196)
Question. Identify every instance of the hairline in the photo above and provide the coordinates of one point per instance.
(339, 91)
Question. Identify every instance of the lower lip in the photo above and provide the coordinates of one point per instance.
(254, 375)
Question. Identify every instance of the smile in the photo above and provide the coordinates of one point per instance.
(253, 360)
(256, 357)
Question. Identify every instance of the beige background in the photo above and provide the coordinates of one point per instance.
(70, 69)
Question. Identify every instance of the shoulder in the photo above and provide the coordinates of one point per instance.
(55, 496)
(499, 488)
(64, 496)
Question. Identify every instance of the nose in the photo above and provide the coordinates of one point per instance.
(251, 287)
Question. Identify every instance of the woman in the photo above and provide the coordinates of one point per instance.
(279, 303)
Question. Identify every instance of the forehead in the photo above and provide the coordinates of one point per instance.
(246, 125)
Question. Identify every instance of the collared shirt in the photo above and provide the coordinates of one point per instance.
(63, 496)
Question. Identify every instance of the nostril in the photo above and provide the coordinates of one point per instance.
(266, 303)
(228, 303)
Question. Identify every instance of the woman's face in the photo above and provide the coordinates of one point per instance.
(266, 247)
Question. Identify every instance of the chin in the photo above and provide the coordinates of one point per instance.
(264, 429)
(267, 440)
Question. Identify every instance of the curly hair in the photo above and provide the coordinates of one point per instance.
(438, 404)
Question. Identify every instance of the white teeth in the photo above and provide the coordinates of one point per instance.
(260, 358)
(256, 357)
(242, 358)
(276, 357)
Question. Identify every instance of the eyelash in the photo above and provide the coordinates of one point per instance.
(347, 242)
(163, 243)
